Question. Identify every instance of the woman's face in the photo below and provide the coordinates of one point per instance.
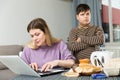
(38, 37)
(84, 17)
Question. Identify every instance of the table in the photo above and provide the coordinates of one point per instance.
(60, 77)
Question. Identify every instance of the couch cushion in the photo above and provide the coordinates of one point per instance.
(7, 74)
(2, 66)
(9, 50)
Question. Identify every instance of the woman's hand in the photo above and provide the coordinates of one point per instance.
(34, 66)
(49, 65)
(62, 63)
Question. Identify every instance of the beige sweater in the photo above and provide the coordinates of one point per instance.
(91, 38)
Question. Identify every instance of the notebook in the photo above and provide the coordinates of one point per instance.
(18, 66)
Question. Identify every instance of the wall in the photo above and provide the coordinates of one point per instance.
(16, 14)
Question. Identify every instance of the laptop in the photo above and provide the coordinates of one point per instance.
(18, 66)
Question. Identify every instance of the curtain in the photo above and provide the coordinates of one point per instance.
(95, 6)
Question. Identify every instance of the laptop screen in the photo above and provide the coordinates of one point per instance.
(18, 66)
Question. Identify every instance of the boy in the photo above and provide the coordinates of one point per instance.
(85, 38)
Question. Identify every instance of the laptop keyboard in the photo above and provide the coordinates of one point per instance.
(38, 71)
(53, 71)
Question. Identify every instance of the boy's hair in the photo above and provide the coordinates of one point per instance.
(82, 8)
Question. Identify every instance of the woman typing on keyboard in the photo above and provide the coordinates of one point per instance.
(44, 51)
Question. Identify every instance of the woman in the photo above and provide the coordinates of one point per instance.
(85, 38)
(45, 51)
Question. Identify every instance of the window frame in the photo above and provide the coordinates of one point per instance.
(110, 23)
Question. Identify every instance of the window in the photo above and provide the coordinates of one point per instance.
(111, 20)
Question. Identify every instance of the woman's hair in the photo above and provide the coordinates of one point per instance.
(82, 8)
(39, 23)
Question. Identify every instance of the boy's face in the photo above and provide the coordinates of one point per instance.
(84, 17)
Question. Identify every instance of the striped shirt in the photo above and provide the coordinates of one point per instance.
(91, 37)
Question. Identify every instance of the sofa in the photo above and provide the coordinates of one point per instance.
(5, 73)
